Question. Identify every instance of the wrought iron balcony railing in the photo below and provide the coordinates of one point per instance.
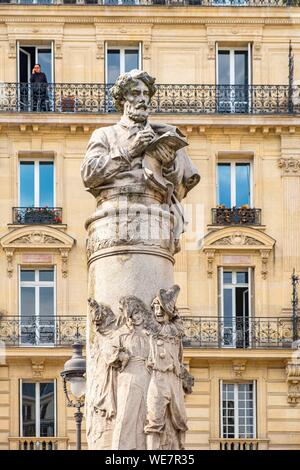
(197, 3)
(236, 216)
(37, 215)
(179, 99)
(218, 332)
(200, 332)
(41, 330)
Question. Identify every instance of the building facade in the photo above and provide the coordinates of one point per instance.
(227, 77)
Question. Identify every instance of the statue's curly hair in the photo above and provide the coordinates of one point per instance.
(124, 82)
(134, 305)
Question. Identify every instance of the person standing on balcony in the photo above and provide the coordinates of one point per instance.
(38, 81)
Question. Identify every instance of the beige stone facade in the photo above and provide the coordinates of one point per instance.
(178, 45)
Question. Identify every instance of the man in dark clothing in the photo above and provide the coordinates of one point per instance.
(39, 83)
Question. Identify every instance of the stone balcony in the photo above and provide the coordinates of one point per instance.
(239, 444)
(38, 443)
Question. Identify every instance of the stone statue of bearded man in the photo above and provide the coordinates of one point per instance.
(115, 155)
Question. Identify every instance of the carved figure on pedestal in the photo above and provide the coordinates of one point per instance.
(132, 344)
(166, 421)
(102, 380)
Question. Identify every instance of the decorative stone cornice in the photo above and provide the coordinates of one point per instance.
(289, 166)
(36, 237)
(148, 20)
(238, 239)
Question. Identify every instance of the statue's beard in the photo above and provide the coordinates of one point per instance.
(137, 114)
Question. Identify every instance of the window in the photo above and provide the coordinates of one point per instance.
(37, 306)
(36, 188)
(235, 307)
(28, 56)
(37, 409)
(233, 78)
(238, 410)
(120, 60)
(234, 184)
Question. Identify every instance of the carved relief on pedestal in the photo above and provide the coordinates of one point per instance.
(135, 352)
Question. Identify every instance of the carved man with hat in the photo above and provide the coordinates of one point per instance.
(166, 421)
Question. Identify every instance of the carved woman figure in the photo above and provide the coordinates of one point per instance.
(133, 377)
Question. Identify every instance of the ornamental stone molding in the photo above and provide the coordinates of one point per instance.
(37, 367)
(237, 240)
(238, 367)
(149, 20)
(37, 237)
(289, 166)
(293, 382)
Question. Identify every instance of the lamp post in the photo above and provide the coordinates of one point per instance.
(295, 282)
(74, 373)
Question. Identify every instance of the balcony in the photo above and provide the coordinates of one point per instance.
(236, 216)
(37, 215)
(38, 443)
(200, 332)
(175, 3)
(254, 333)
(189, 99)
(45, 331)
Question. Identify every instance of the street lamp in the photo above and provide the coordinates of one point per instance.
(74, 373)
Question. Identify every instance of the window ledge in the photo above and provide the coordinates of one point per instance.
(212, 227)
(59, 226)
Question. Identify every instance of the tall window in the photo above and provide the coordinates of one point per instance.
(235, 307)
(28, 56)
(238, 410)
(37, 306)
(36, 183)
(37, 409)
(120, 60)
(233, 78)
(234, 187)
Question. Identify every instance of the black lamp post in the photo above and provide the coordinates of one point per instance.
(74, 373)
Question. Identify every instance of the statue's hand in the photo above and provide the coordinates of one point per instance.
(140, 142)
(164, 154)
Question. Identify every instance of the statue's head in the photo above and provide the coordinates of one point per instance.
(164, 304)
(133, 309)
(132, 94)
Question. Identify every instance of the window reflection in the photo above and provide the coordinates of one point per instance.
(38, 412)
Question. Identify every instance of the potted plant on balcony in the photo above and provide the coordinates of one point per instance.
(41, 215)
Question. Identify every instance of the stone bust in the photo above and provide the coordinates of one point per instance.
(115, 154)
